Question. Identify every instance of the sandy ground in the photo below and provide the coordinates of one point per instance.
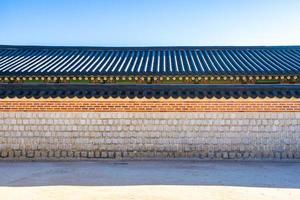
(150, 180)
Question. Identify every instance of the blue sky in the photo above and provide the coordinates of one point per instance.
(150, 22)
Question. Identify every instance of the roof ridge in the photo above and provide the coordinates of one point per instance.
(143, 47)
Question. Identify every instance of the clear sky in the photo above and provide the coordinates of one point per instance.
(150, 22)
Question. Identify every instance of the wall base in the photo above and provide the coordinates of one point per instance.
(103, 155)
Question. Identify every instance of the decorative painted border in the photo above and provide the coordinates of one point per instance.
(131, 91)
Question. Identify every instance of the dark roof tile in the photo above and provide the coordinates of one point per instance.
(144, 61)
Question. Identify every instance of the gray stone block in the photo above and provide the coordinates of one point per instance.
(104, 154)
(290, 155)
(11, 154)
(118, 155)
(77, 154)
(17, 153)
(232, 155)
(83, 154)
(70, 154)
(29, 154)
(97, 154)
(218, 155)
(284, 155)
(4, 154)
(57, 154)
(91, 154)
(211, 155)
(277, 155)
(64, 154)
(246, 155)
(225, 155)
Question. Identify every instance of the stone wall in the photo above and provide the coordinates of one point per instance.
(125, 135)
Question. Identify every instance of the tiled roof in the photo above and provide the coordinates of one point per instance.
(148, 91)
(148, 61)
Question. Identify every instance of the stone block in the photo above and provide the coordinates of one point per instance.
(232, 155)
(77, 154)
(64, 154)
(37, 154)
(258, 155)
(125, 154)
(238, 155)
(104, 154)
(284, 155)
(297, 155)
(130, 154)
(188, 154)
(211, 155)
(11, 154)
(118, 155)
(70, 154)
(29, 154)
(290, 155)
(252, 155)
(218, 155)
(97, 154)
(51, 154)
(57, 154)
(277, 155)
(266, 154)
(44, 154)
(17, 153)
(246, 155)
(225, 155)
(91, 154)
(4, 154)
(84, 154)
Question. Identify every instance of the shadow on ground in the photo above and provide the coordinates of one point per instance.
(130, 173)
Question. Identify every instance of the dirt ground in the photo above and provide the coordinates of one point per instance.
(115, 180)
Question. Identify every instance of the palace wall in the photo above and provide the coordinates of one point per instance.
(69, 129)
